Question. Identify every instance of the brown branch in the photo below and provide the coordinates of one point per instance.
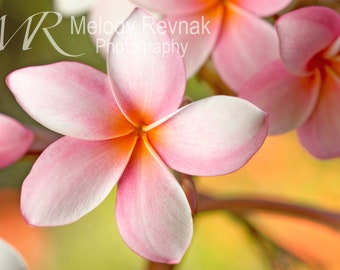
(250, 204)
(209, 75)
(189, 188)
(278, 256)
(159, 266)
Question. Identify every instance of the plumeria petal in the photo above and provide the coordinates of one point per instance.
(9, 258)
(321, 132)
(176, 6)
(15, 140)
(246, 45)
(333, 50)
(263, 7)
(303, 34)
(288, 99)
(213, 136)
(71, 177)
(198, 42)
(152, 212)
(148, 81)
(108, 15)
(70, 98)
(73, 7)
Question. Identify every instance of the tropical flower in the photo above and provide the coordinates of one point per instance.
(9, 257)
(302, 89)
(231, 31)
(126, 127)
(15, 140)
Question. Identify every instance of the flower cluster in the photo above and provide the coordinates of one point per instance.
(301, 88)
(129, 128)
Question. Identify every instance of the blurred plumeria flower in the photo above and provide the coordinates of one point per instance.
(236, 34)
(74, 7)
(302, 90)
(230, 31)
(10, 258)
(15, 140)
(126, 127)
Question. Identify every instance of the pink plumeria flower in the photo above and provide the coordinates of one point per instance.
(303, 89)
(10, 258)
(15, 140)
(239, 41)
(231, 31)
(126, 127)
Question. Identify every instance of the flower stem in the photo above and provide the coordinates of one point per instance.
(250, 204)
(189, 188)
(209, 75)
(278, 257)
(159, 266)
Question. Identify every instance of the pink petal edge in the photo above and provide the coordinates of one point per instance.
(288, 99)
(110, 14)
(15, 140)
(69, 98)
(72, 177)
(320, 133)
(152, 212)
(246, 44)
(212, 136)
(303, 34)
(196, 44)
(158, 83)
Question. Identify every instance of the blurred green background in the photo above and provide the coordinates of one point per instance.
(281, 169)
